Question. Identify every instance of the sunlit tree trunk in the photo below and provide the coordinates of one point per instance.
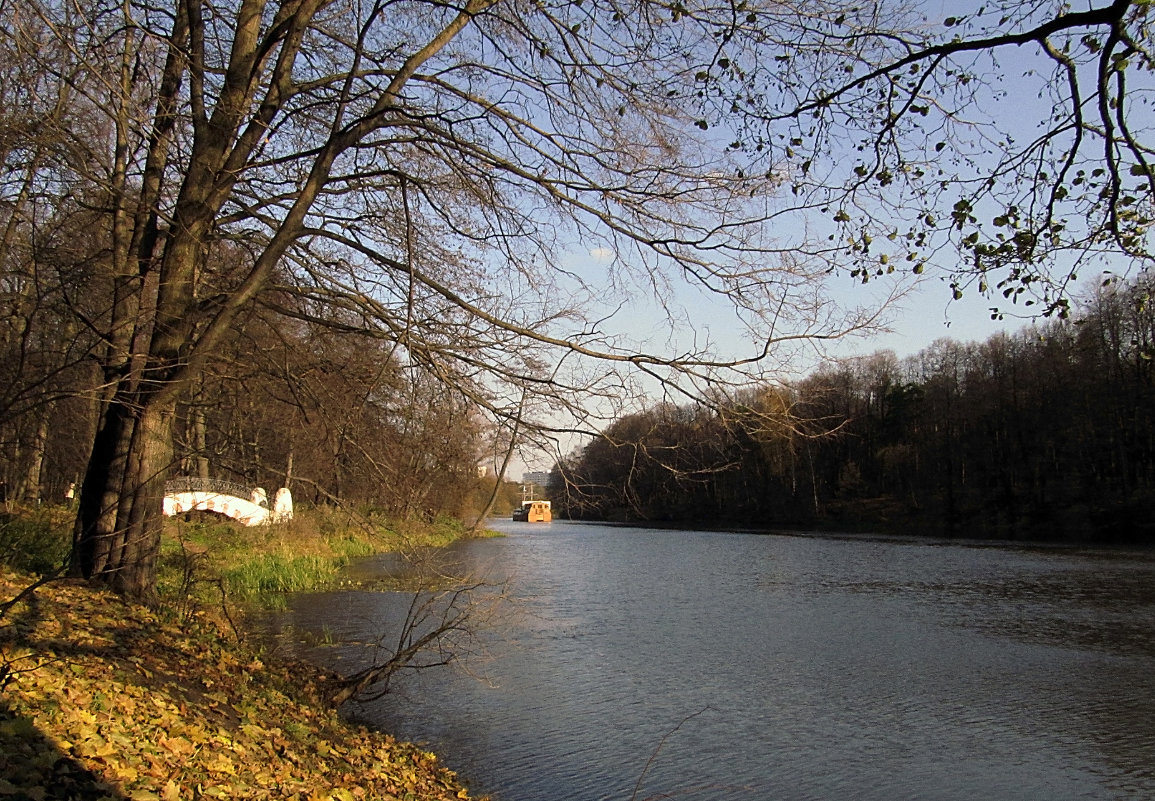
(200, 444)
(32, 489)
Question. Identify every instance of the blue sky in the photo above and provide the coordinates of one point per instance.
(927, 313)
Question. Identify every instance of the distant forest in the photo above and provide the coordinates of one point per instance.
(1044, 434)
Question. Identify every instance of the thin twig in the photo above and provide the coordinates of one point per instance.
(658, 749)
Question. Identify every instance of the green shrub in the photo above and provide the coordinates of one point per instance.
(35, 540)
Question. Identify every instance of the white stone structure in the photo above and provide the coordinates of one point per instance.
(282, 505)
(240, 509)
(226, 498)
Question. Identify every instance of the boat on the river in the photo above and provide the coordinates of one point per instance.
(533, 512)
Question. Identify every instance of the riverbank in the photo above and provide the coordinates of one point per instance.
(102, 699)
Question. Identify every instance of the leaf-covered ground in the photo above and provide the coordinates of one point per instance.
(103, 699)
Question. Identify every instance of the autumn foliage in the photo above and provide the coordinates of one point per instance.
(102, 699)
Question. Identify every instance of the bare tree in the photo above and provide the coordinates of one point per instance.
(420, 171)
(1010, 143)
(444, 623)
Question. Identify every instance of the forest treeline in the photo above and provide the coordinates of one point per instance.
(297, 398)
(1045, 433)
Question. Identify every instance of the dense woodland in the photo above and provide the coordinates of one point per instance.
(1047, 433)
(337, 417)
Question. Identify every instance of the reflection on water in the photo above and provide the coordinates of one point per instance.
(727, 666)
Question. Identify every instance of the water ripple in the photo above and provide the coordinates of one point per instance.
(718, 666)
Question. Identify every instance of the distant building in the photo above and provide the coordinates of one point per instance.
(539, 477)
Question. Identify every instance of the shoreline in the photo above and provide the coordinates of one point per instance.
(103, 699)
(883, 534)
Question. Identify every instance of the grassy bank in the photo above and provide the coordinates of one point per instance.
(264, 561)
(104, 699)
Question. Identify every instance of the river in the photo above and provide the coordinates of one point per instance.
(644, 664)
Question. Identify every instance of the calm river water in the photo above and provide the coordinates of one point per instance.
(641, 664)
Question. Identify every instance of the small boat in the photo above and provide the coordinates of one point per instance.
(533, 512)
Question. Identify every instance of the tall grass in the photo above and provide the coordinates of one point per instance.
(306, 554)
(277, 573)
(203, 555)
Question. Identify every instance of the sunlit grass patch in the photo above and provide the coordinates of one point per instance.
(206, 555)
(278, 573)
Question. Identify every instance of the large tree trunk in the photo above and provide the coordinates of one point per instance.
(161, 332)
(121, 511)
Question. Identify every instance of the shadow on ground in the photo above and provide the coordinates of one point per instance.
(32, 768)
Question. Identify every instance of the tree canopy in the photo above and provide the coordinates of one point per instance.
(420, 174)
